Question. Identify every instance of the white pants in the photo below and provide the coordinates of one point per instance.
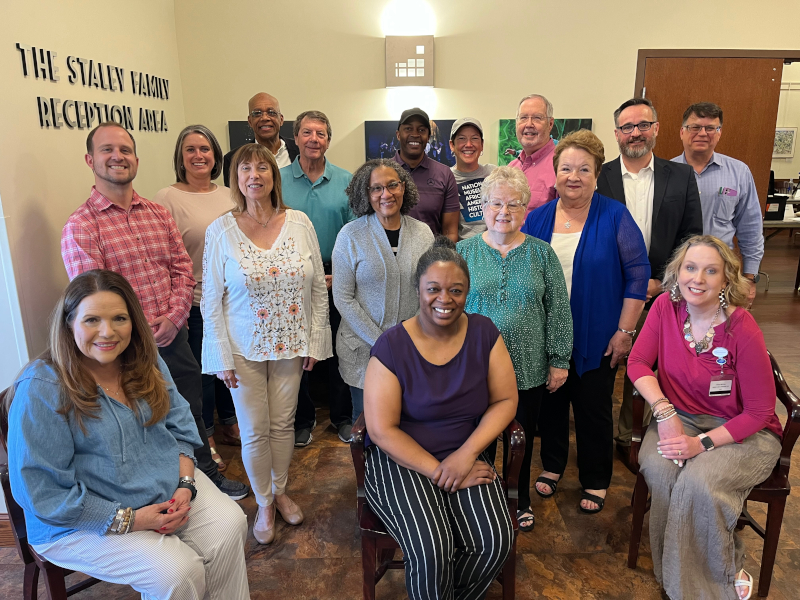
(203, 560)
(266, 402)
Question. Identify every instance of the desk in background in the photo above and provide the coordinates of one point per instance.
(778, 226)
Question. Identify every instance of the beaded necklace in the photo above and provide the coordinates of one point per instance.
(702, 344)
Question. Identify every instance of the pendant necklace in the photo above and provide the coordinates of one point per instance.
(567, 223)
(702, 344)
(264, 225)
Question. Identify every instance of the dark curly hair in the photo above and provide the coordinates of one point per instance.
(358, 192)
(442, 250)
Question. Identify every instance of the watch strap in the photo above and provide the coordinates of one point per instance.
(189, 485)
(707, 442)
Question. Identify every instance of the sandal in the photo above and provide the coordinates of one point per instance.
(552, 483)
(221, 466)
(745, 583)
(526, 516)
(591, 498)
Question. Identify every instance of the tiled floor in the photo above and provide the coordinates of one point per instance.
(569, 555)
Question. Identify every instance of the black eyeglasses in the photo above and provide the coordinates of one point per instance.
(257, 114)
(643, 126)
(710, 129)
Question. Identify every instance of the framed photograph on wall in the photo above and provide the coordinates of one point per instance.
(509, 148)
(381, 140)
(785, 138)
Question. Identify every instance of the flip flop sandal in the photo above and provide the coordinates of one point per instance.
(547, 481)
(521, 517)
(221, 466)
(592, 498)
(740, 582)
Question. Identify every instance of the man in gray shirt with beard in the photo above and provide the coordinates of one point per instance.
(466, 142)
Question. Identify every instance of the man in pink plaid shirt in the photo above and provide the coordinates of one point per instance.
(118, 230)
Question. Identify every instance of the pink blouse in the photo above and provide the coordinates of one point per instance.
(685, 378)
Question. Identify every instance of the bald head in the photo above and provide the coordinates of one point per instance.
(265, 118)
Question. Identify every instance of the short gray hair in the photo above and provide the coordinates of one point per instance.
(511, 178)
(358, 189)
(548, 106)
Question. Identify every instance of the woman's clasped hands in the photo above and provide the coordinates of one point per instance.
(165, 517)
(674, 444)
(460, 471)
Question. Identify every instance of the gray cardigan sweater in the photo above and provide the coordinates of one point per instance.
(372, 288)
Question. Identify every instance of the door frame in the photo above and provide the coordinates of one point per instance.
(791, 55)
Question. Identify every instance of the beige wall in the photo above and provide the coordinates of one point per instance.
(43, 177)
(789, 116)
(328, 55)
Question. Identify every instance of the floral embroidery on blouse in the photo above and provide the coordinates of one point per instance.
(274, 279)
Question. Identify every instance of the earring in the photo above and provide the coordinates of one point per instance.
(722, 301)
(674, 293)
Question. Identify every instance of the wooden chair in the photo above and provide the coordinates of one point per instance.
(773, 491)
(378, 547)
(54, 576)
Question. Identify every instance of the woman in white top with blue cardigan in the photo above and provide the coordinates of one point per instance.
(265, 308)
(374, 260)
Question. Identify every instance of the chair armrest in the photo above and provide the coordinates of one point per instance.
(514, 437)
(638, 432)
(358, 436)
(791, 430)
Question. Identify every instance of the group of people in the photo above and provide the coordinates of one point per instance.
(443, 303)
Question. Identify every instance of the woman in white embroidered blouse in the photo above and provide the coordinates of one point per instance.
(265, 308)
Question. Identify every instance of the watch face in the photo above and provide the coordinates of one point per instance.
(708, 444)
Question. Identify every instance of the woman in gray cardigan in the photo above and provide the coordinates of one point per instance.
(374, 260)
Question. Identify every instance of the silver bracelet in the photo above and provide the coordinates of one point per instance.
(667, 416)
(630, 333)
(117, 522)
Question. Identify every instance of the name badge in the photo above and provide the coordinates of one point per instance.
(721, 385)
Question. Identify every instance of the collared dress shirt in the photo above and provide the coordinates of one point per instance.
(323, 201)
(142, 244)
(438, 193)
(639, 188)
(730, 206)
(541, 174)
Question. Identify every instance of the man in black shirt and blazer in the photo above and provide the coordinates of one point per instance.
(265, 119)
(663, 198)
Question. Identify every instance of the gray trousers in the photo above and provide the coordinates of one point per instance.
(696, 552)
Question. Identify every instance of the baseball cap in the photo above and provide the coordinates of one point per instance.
(465, 121)
(415, 112)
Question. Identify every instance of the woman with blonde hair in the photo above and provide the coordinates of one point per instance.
(101, 456)
(265, 309)
(713, 391)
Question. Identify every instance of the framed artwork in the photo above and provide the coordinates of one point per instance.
(380, 140)
(509, 148)
(240, 133)
(785, 138)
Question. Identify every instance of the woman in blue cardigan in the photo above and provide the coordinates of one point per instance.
(604, 259)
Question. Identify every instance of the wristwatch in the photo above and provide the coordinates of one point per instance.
(707, 442)
(189, 484)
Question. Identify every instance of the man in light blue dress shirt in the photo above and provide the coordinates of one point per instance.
(727, 191)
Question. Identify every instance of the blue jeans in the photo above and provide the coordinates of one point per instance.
(357, 395)
(215, 394)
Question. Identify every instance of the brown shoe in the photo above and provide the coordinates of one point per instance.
(290, 512)
(264, 526)
(229, 435)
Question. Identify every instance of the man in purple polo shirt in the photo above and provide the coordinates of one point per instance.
(534, 122)
(438, 205)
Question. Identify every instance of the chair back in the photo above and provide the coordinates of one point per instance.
(792, 428)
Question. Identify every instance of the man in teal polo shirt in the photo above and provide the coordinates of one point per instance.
(313, 185)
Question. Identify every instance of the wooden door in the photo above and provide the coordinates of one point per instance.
(747, 89)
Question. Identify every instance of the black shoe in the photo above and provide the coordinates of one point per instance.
(526, 519)
(236, 490)
(345, 431)
(303, 437)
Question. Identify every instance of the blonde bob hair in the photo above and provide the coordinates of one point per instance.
(737, 289)
(255, 153)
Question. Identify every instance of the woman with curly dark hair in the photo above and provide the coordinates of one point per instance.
(373, 265)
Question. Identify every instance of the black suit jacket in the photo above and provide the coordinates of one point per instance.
(676, 207)
(291, 148)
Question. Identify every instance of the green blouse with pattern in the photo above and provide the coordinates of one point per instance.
(525, 295)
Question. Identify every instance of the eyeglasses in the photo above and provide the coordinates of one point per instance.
(710, 129)
(377, 190)
(535, 118)
(257, 114)
(643, 126)
(496, 205)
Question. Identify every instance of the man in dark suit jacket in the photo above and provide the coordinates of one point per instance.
(265, 119)
(663, 200)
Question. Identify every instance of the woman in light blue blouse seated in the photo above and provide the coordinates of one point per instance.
(604, 259)
(100, 450)
(516, 281)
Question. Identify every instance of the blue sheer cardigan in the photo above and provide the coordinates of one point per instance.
(610, 265)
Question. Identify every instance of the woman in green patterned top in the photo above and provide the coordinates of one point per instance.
(517, 281)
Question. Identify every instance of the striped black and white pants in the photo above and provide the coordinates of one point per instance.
(453, 544)
(202, 560)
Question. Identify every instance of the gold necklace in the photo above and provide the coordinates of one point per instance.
(264, 225)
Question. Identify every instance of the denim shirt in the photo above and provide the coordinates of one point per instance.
(66, 480)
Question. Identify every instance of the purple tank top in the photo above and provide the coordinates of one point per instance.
(441, 404)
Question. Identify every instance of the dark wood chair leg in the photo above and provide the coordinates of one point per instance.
(773, 532)
(637, 523)
(31, 582)
(55, 583)
(509, 577)
(368, 555)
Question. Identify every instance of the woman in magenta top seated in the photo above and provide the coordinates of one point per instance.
(439, 388)
(715, 434)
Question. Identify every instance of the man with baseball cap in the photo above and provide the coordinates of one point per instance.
(438, 197)
(466, 143)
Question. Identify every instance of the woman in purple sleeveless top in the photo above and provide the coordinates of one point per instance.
(439, 388)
